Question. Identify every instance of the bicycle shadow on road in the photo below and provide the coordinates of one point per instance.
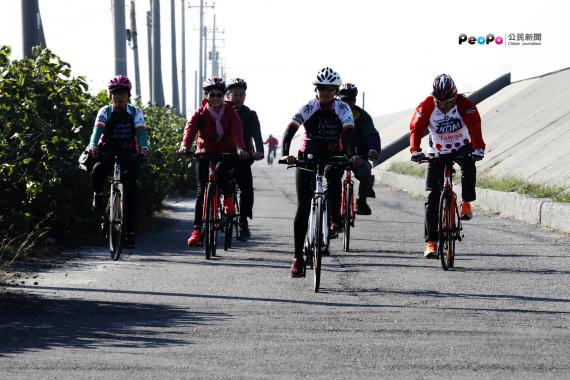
(30, 322)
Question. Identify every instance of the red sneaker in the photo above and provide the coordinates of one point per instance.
(431, 250)
(297, 268)
(229, 205)
(195, 240)
(465, 212)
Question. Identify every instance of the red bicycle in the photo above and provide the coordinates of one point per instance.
(347, 210)
(449, 222)
(213, 216)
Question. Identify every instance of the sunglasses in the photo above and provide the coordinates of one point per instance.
(215, 94)
(448, 101)
(327, 88)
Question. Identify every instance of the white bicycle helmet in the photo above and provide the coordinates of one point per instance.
(327, 77)
(237, 82)
(214, 82)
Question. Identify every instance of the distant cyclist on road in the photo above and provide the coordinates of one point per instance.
(367, 146)
(329, 130)
(219, 130)
(119, 129)
(251, 131)
(272, 144)
(454, 129)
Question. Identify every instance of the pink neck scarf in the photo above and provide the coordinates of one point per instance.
(218, 119)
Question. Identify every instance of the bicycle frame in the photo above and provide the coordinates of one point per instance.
(319, 196)
(447, 189)
(348, 182)
(212, 179)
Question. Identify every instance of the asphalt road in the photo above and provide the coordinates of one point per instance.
(165, 312)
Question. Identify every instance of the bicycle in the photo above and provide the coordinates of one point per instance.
(449, 222)
(113, 219)
(231, 221)
(347, 210)
(213, 215)
(317, 239)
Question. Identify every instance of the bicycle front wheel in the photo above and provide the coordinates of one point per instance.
(318, 247)
(347, 216)
(210, 222)
(446, 226)
(116, 221)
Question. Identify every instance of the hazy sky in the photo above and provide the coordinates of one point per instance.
(390, 50)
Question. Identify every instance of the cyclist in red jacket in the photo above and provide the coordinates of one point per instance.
(272, 144)
(454, 129)
(219, 130)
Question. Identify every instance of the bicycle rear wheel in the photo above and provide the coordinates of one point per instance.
(347, 217)
(236, 219)
(116, 232)
(210, 222)
(318, 247)
(447, 229)
(228, 224)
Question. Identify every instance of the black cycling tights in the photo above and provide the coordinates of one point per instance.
(305, 181)
(129, 175)
(202, 170)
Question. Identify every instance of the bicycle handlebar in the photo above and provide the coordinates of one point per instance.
(445, 158)
(315, 162)
(211, 155)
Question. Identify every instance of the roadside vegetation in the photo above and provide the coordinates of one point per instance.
(46, 118)
(485, 181)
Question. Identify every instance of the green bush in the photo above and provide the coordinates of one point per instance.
(43, 111)
(46, 119)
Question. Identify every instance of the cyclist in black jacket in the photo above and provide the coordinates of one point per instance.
(367, 146)
(329, 130)
(251, 131)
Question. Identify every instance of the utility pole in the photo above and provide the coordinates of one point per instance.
(132, 37)
(183, 71)
(175, 98)
(149, 42)
(205, 53)
(157, 90)
(32, 28)
(200, 76)
(196, 91)
(214, 54)
(120, 36)
(201, 53)
(363, 98)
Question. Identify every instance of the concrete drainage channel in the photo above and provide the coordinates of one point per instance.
(543, 212)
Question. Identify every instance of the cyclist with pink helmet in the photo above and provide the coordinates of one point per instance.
(119, 129)
(454, 129)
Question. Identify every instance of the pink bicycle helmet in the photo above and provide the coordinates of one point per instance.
(119, 82)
